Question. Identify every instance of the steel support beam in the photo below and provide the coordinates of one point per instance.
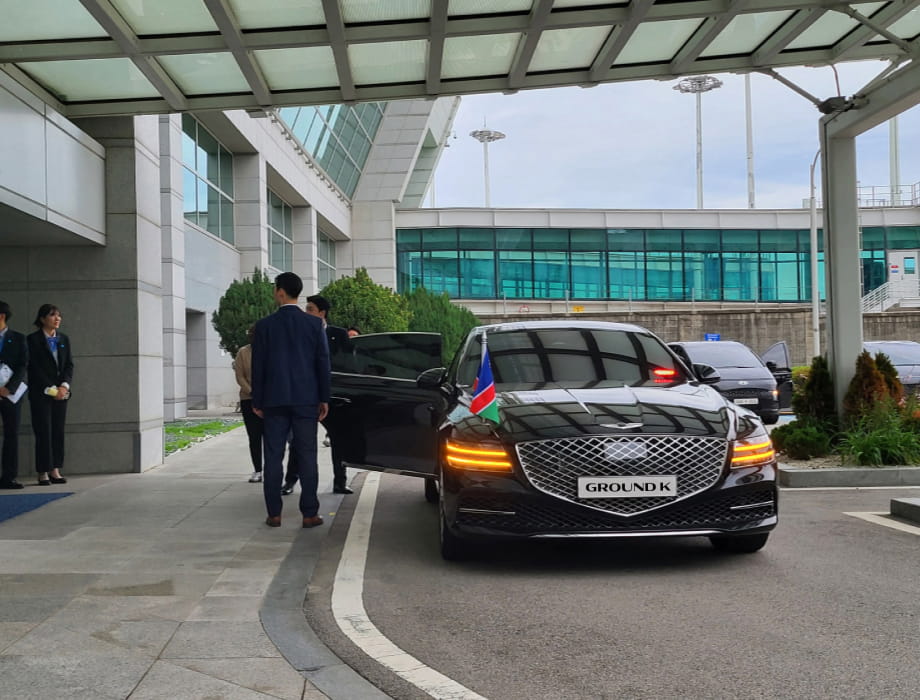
(618, 38)
(230, 29)
(113, 23)
(704, 35)
(436, 37)
(527, 44)
(894, 94)
(335, 25)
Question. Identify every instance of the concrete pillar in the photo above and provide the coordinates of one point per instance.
(250, 212)
(842, 262)
(373, 244)
(175, 366)
(305, 236)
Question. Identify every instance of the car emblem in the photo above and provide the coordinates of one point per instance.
(743, 382)
(620, 426)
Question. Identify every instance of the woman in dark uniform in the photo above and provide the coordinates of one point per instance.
(50, 374)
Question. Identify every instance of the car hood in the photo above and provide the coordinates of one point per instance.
(546, 411)
(756, 378)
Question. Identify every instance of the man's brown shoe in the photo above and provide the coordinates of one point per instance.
(312, 522)
(273, 521)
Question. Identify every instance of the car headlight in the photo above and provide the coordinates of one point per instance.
(490, 457)
(752, 450)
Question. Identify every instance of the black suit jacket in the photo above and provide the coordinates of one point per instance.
(43, 370)
(338, 339)
(14, 353)
(290, 360)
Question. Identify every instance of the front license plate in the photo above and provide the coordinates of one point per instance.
(747, 402)
(626, 486)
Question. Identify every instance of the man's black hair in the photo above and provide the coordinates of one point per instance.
(5, 310)
(321, 303)
(355, 329)
(290, 283)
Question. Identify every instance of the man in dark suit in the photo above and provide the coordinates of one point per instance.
(338, 343)
(290, 391)
(15, 355)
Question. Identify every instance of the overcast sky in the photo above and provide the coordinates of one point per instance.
(633, 145)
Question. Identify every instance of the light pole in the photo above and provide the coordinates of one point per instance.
(485, 137)
(697, 85)
(815, 294)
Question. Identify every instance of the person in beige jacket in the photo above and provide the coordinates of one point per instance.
(242, 365)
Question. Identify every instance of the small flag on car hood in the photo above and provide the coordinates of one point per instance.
(484, 403)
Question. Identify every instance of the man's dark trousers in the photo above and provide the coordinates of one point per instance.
(10, 413)
(301, 422)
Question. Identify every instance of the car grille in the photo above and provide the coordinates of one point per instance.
(531, 517)
(553, 466)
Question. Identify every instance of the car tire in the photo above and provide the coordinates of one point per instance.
(432, 492)
(770, 418)
(739, 544)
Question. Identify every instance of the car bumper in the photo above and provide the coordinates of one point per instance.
(507, 508)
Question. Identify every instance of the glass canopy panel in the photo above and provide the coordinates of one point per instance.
(832, 27)
(388, 62)
(258, 14)
(745, 33)
(166, 16)
(205, 73)
(908, 27)
(486, 7)
(469, 56)
(298, 69)
(654, 42)
(376, 11)
(586, 3)
(38, 20)
(568, 48)
(93, 79)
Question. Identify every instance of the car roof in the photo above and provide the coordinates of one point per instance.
(573, 324)
(890, 342)
(699, 343)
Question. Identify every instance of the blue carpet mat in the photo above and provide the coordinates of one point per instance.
(15, 504)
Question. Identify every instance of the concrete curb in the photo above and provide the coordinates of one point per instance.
(282, 616)
(797, 477)
(906, 508)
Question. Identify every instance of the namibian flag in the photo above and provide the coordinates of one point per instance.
(484, 403)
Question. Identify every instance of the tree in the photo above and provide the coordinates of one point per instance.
(435, 313)
(866, 390)
(815, 401)
(244, 303)
(358, 301)
(890, 375)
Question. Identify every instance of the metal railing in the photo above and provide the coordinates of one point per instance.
(879, 299)
(875, 196)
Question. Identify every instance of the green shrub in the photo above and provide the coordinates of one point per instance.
(244, 303)
(878, 438)
(867, 389)
(435, 313)
(801, 440)
(890, 375)
(814, 400)
(359, 301)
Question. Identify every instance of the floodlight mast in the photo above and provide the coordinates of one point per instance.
(697, 85)
(485, 137)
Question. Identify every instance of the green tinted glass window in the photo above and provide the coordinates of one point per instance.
(513, 239)
(515, 274)
(625, 239)
(663, 239)
(903, 237)
(873, 238)
(551, 239)
(440, 239)
(738, 240)
(704, 240)
(408, 239)
(778, 241)
(477, 239)
(477, 274)
(587, 239)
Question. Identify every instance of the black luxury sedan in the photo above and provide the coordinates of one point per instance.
(746, 379)
(603, 431)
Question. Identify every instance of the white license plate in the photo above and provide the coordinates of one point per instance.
(747, 402)
(626, 486)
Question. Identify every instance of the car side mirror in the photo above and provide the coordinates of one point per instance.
(707, 374)
(431, 378)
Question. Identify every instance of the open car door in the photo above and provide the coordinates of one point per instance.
(776, 358)
(378, 417)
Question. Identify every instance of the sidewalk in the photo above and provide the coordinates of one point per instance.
(165, 584)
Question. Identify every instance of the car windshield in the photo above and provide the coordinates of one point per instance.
(723, 355)
(573, 357)
(898, 353)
